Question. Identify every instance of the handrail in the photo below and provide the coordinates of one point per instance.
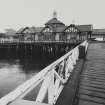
(59, 70)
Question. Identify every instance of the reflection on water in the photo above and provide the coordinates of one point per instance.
(11, 76)
(14, 70)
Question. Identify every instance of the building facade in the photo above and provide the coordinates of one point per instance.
(55, 31)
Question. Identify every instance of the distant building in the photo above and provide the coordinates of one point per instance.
(55, 30)
(85, 30)
(98, 33)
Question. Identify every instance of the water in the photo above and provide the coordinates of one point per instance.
(14, 70)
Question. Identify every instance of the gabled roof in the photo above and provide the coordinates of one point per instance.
(84, 28)
(72, 25)
(60, 29)
(38, 29)
(55, 29)
(20, 30)
(30, 30)
(23, 30)
(98, 31)
(54, 21)
(48, 26)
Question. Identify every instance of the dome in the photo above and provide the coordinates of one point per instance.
(54, 21)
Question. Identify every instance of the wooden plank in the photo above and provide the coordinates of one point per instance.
(84, 102)
(92, 93)
(85, 85)
(92, 89)
(92, 79)
(93, 82)
(94, 71)
(99, 73)
(94, 85)
(92, 99)
(95, 77)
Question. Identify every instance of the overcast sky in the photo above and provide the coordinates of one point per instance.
(20, 13)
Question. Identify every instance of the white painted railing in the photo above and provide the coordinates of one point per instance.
(53, 79)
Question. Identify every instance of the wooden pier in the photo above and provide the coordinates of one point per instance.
(92, 79)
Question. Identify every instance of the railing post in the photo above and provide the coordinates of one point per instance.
(73, 57)
(43, 89)
(51, 88)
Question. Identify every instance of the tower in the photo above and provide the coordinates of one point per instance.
(54, 14)
(73, 21)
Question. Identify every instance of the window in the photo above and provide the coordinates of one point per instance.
(57, 37)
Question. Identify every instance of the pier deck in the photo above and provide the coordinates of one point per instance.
(92, 79)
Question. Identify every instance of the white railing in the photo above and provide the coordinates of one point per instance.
(53, 79)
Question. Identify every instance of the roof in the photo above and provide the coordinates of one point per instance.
(98, 31)
(72, 25)
(38, 29)
(55, 29)
(2, 34)
(30, 30)
(84, 28)
(60, 29)
(54, 21)
(20, 30)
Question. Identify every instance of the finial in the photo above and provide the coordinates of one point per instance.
(73, 21)
(54, 14)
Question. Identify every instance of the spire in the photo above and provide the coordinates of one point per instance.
(73, 21)
(54, 14)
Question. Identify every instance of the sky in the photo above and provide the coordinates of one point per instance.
(21, 13)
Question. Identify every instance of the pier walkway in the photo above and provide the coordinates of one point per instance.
(92, 79)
